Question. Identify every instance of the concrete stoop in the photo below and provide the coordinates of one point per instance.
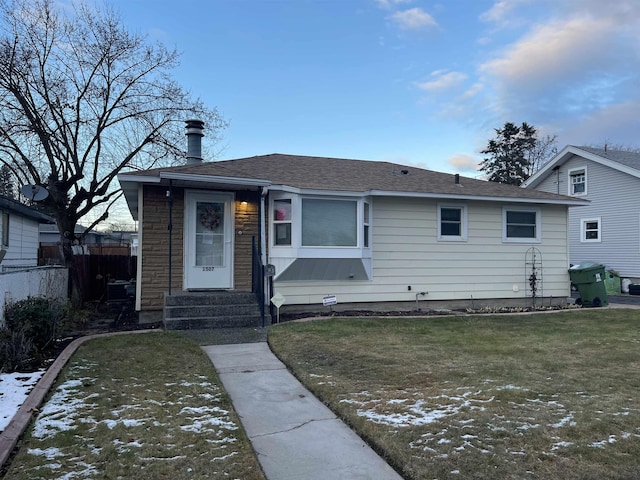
(212, 309)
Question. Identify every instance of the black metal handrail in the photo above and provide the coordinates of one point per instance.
(257, 277)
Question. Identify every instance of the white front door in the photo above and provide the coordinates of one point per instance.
(208, 240)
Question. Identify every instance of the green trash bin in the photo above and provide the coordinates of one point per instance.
(588, 277)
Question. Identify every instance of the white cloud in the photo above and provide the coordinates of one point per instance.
(387, 4)
(552, 52)
(617, 125)
(442, 80)
(472, 91)
(463, 162)
(413, 19)
(499, 11)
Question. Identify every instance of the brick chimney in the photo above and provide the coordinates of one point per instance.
(194, 134)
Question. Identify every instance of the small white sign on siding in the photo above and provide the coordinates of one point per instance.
(328, 300)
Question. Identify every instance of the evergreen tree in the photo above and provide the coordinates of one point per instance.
(508, 160)
(7, 188)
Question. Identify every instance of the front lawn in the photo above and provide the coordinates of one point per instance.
(139, 406)
(553, 396)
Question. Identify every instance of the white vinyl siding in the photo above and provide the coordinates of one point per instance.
(23, 239)
(407, 253)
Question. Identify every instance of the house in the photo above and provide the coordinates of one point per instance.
(368, 232)
(607, 229)
(19, 232)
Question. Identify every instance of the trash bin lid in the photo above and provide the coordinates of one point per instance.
(586, 266)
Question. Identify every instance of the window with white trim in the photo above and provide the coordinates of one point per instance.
(591, 229)
(329, 223)
(521, 224)
(452, 222)
(578, 181)
(282, 221)
(365, 226)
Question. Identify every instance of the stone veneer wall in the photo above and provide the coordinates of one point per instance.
(246, 221)
(155, 243)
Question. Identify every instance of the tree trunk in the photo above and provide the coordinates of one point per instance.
(72, 262)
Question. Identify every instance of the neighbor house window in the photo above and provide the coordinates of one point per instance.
(452, 222)
(578, 181)
(590, 230)
(521, 224)
(5, 229)
(365, 228)
(282, 221)
(329, 223)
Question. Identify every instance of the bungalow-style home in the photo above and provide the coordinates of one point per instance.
(19, 232)
(607, 229)
(364, 234)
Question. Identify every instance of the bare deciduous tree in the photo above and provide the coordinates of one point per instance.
(82, 99)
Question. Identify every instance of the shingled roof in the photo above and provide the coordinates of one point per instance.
(336, 174)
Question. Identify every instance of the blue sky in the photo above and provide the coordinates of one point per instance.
(409, 81)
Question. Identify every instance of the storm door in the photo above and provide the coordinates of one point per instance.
(208, 240)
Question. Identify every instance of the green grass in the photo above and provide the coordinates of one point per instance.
(136, 406)
(551, 396)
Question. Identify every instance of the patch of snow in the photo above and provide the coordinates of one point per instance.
(49, 453)
(14, 390)
(564, 422)
(559, 445)
(603, 443)
(62, 409)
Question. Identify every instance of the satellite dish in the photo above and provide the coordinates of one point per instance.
(35, 193)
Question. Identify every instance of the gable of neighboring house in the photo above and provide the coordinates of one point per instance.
(607, 230)
(19, 234)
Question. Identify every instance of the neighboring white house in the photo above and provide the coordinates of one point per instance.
(607, 230)
(365, 231)
(20, 234)
(20, 277)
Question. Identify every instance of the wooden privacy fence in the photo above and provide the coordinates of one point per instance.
(102, 265)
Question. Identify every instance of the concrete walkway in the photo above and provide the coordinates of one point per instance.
(293, 433)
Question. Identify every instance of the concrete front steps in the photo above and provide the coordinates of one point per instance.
(212, 309)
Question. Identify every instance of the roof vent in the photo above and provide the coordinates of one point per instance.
(457, 179)
(404, 172)
(194, 141)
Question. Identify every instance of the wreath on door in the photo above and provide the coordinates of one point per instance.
(211, 217)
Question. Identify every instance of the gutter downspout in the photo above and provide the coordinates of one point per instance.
(262, 218)
(170, 228)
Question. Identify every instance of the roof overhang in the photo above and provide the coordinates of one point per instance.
(439, 196)
(130, 184)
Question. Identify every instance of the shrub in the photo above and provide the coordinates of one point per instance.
(38, 316)
(30, 328)
(16, 351)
